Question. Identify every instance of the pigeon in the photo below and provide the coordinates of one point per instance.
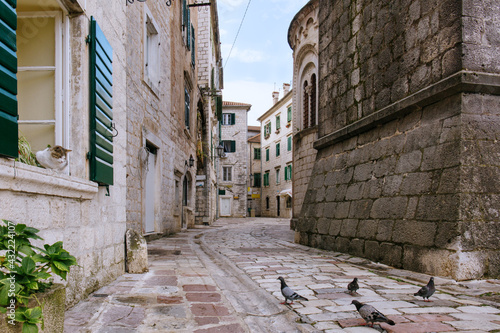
(426, 291)
(353, 286)
(370, 314)
(289, 294)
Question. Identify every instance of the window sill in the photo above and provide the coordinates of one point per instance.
(288, 125)
(20, 177)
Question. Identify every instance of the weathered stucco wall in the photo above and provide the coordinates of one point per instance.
(407, 166)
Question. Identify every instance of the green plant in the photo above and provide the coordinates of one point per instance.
(26, 270)
(26, 154)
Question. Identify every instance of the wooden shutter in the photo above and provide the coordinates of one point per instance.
(233, 146)
(277, 149)
(289, 143)
(193, 48)
(8, 78)
(188, 28)
(233, 119)
(101, 106)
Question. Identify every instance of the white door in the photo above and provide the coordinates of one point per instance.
(225, 206)
(150, 193)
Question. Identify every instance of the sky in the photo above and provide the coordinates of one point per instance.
(261, 59)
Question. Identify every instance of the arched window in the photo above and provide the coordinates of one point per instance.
(313, 100)
(305, 106)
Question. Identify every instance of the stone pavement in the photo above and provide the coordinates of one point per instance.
(223, 278)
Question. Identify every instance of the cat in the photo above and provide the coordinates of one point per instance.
(53, 157)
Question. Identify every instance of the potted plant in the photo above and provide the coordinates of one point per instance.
(26, 272)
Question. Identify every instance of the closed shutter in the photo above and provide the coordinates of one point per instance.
(8, 78)
(101, 106)
(277, 149)
(233, 146)
(256, 178)
(193, 48)
(233, 119)
(188, 28)
(289, 143)
(187, 107)
(218, 107)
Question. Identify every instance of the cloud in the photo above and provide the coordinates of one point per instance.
(246, 56)
(231, 3)
(258, 94)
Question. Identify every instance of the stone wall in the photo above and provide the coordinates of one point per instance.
(407, 165)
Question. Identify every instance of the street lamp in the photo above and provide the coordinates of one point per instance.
(220, 150)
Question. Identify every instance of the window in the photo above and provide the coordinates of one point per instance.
(42, 78)
(229, 146)
(266, 178)
(256, 179)
(289, 114)
(305, 106)
(288, 172)
(278, 125)
(267, 202)
(267, 130)
(228, 119)
(256, 153)
(227, 173)
(278, 176)
(152, 52)
(187, 107)
(267, 154)
(313, 100)
(186, 23)
(289, 143)
(288, 202)
(277, 149)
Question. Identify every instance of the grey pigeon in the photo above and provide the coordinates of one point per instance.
(370, 314)
(289, 294)
(353, 286)
(426, 291)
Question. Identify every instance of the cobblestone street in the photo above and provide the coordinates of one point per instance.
(223, 278)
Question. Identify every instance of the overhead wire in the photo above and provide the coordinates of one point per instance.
(237, 33)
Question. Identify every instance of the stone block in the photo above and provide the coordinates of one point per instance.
(335, 226)
(357, 247)
(348, 228)
(413, 232)
(323, 226)
(372, 250)
(438, 207)
(360, 209)
(137, 252)
(367, 229)
(384, 232)
(391, 254)
(389, 208)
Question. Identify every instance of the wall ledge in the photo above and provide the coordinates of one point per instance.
(23, 178)
(461, 82)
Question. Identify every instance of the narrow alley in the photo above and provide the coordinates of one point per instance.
(223, 278)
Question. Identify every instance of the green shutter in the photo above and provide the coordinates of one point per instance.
(193, 48)
(233, 146)
(289, 143)
(187, 107)
(233, 119)
(101, 106)
(218, 107)
(188, 29)
(278, 123)
(277, 149)
(256, 178)
(286, 173)
(289, 114)
(8, 78)
(222, 192)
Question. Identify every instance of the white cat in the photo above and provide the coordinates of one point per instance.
(53, 157)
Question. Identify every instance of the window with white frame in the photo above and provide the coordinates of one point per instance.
(43, 57)
(151, 52)
(227, 173)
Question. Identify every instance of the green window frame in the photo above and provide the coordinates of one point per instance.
(266, 178)
(101, 106)
(289, 114)
(267, 129)
(267, 154)
(278, 122)
(256, 153)
(229, 146)
(257, 179)
(8, 79)
(289, 143)
(277, 149)
(288, 172)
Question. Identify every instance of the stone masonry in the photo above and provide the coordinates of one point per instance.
(407, 164)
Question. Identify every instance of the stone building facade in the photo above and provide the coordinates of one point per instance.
(114, 92)
(407, 165)
(254, 171)
(53, 88)
(276, 154)
(303, 38)
(233, 166)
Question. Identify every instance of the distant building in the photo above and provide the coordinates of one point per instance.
(276, 154)
(254, 171)
(232, 175)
